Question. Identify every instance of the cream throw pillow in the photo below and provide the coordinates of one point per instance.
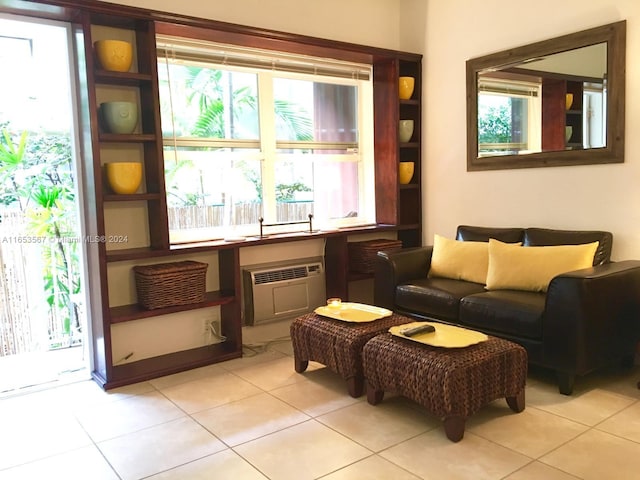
(532, 268)
(459, 260)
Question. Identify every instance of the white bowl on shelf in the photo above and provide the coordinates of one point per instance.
(405, 130)
(568, 131)
(119, 117)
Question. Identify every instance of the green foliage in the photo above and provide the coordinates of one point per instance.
(286, 192)
(296, 118)
(36, 176)
(10, 154)
(205, 89)
(494, 125)
(11, 160)
(210, 123)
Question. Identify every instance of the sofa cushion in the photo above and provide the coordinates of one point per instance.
(532, 268)
(510, 312)
(483, 234)
(545, 236)
(435, 297)
(459, 260)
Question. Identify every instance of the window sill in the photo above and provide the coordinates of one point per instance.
(188, 248)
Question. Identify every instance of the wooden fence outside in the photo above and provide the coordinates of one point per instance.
(244, 214)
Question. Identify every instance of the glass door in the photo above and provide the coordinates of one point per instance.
(42, 304)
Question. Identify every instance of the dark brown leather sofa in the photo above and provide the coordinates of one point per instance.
(586, 320)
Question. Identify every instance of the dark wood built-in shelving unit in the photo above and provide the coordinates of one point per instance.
(398, 204)
(556, 117)
(398, 207)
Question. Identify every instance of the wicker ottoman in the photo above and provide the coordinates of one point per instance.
(452, 383)
(337, 344)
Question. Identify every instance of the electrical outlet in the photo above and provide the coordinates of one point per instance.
(215, 327)
(213, 330)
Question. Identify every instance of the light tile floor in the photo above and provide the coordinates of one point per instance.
(255, 418)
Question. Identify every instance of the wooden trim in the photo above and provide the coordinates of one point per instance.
(386, 116)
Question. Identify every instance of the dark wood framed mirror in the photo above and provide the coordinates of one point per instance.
(556, 102)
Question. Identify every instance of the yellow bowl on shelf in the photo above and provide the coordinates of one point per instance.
(568, 100)
(405, 172)
(124, 177)
(405, 87)
(114, 55)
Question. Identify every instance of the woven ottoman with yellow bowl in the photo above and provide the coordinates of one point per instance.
(450, 371)
(334, 336)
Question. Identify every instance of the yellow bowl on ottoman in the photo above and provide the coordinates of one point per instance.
(124, 177)
(405, 172)
(114, 55)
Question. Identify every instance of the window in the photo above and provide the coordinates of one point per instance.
(254, 134)
(509, 117)
(594, 127)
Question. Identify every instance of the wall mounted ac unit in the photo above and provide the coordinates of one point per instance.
(285, 290)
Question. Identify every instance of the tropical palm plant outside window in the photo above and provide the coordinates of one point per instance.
(244, 141)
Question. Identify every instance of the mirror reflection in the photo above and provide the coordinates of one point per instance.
(551, 103)
(555, 102)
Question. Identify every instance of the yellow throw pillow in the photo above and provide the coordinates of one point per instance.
(459, 260)
(532, 268)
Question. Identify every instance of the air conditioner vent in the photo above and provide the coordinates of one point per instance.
(280, 275)
(277, 291)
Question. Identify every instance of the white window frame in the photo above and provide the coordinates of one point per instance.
(519, 89)
(360, 152)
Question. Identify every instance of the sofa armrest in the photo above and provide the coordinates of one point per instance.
(592, 317)
(395, 267)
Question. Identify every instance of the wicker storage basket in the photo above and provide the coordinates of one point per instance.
(170, 284)
(362, 254)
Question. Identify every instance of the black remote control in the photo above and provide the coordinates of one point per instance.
(410, 332)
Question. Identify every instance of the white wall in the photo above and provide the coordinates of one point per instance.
(367, 22)
(605, 197)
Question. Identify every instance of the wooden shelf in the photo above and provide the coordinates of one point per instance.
(112, 197)
(131, 138)
(168, 364)
(131, 79)
(127, 313)
(409, 226)
(124, 254)
(396, 203)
